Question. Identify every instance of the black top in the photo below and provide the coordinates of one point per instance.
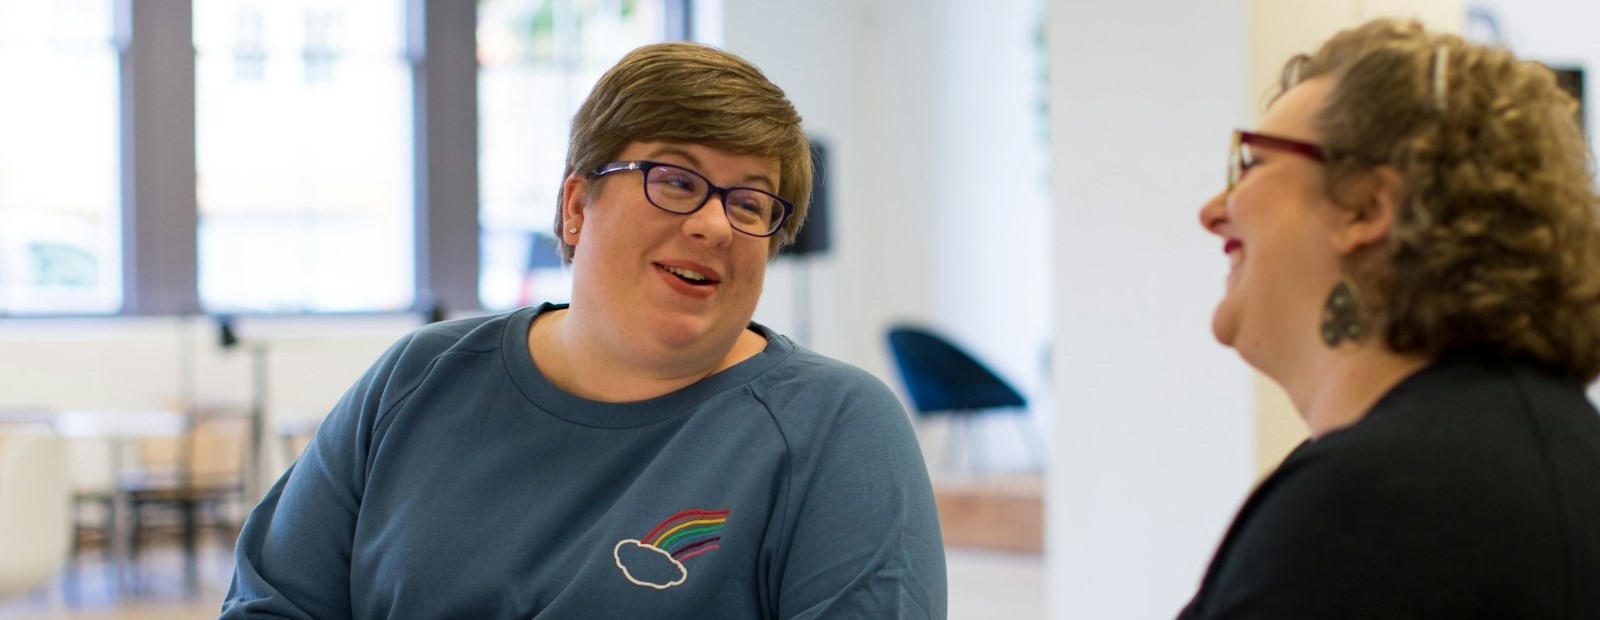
(1470, 490)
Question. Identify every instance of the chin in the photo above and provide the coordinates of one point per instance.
(680, 331)
(1225, 325)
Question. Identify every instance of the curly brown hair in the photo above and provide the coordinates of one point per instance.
(1496, 243)
(692, 94)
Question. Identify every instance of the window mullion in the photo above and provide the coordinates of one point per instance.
(156, 48)
(442, 44)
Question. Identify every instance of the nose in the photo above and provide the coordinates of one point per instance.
(1214, 214)
(710, 222)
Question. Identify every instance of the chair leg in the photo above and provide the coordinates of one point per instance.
(979, 460)
(108, 533)
(135, 533)
(191, 574)
(951, 442)
(1036, 454)
(72, 576)
(71, 586)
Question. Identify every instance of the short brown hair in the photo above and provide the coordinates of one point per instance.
(1495, 245)
(693, 94)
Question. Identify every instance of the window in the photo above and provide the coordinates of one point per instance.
(538, 59)
(303, 148)
(306, 184)
(60, 216)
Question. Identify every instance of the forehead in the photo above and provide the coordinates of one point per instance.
(721, 165)
(1293, 115)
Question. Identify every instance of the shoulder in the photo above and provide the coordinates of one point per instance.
(1443, 485)
(476, 334)
(1480, 419)
(816, 401)
(1342, 521)
(413, 356)
(1455, 448)
(813, 381)
(471, 334)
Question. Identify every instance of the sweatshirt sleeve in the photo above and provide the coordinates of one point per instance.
(292, 559)
(865, 536)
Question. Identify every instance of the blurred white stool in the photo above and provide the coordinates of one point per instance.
(35, 503)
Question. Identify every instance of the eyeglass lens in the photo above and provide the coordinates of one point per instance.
(1240, 159)
(681, 191)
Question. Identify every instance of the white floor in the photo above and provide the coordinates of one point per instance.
(984, 585)
(990, 584)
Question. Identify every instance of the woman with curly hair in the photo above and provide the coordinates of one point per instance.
(1415, 257)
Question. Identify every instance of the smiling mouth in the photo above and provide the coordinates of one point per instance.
(689, 276)
(1235, 251)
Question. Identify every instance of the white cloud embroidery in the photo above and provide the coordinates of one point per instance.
(648, 566)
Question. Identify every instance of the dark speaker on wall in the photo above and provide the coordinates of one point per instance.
(813, 237)
(1571, 80)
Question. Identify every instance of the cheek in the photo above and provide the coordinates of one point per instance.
(1248, 201)
(752, 269)
(755, 270)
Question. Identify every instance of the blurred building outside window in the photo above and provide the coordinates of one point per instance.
(303, 147)
(60, 211)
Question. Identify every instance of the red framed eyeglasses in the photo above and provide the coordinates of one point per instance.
(1241, 156)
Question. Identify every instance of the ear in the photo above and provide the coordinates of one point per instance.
(572, 208)
(1369, 212)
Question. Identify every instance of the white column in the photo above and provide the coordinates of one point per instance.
(939, 187)
(1152, 436)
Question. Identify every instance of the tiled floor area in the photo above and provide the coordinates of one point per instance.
(983, 585)
(156, 592)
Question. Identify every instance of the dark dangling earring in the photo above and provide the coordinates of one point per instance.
(1341, 314)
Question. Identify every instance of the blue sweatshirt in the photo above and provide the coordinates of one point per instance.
(454, 481)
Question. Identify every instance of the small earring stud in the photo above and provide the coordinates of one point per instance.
(573, 230)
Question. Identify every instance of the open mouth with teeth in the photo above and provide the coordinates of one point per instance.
(687, 275)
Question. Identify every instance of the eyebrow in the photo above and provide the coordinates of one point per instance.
(695, 162)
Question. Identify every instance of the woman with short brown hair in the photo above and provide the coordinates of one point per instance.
(646, 451)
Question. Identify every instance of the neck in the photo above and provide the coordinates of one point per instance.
(577, 360)
(1336, 387)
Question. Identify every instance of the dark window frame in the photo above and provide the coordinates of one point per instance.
(157, 159)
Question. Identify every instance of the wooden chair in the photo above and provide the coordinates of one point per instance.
(189, 483)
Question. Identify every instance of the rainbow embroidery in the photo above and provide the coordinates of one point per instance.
(680, 537)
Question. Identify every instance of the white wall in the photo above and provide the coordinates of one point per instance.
(1153, 422)
(1557, 32)
(940, 211)
(993, 276)
(156, 363)
(830, 57)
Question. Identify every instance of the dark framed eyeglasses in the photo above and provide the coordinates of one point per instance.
(1242, 156)
(676, 189)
